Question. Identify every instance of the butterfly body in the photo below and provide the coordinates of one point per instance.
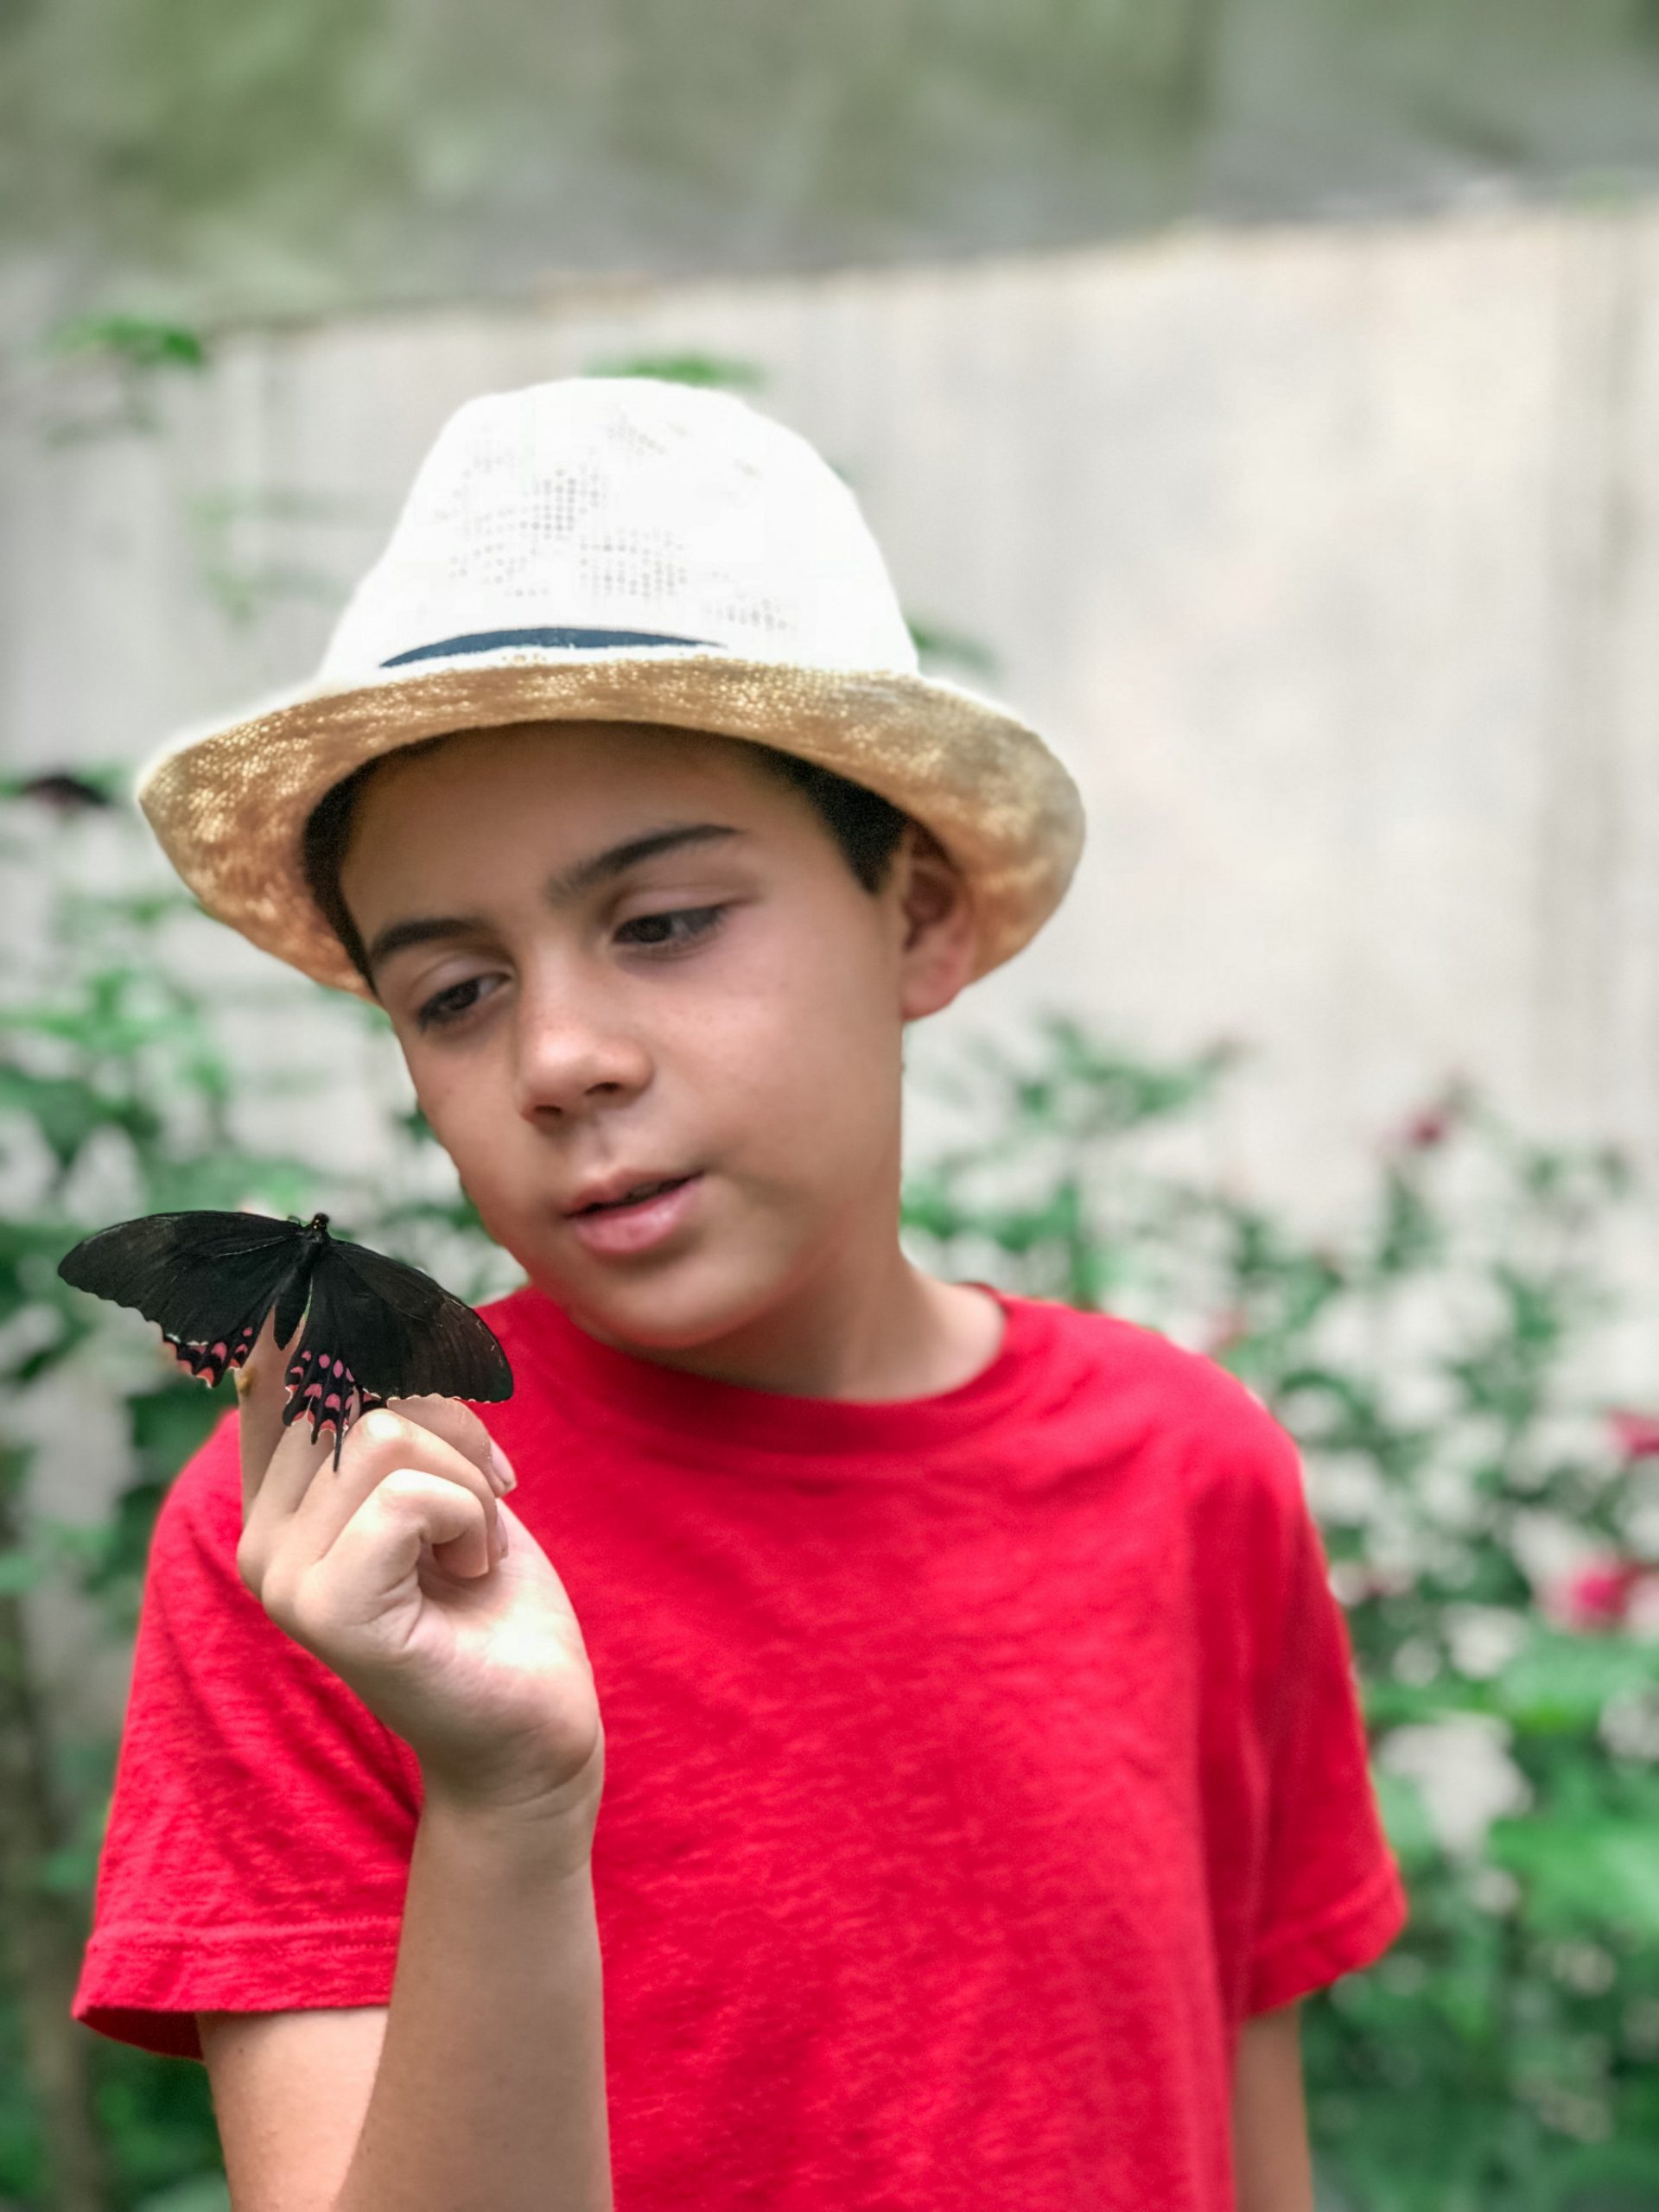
(374, 1328)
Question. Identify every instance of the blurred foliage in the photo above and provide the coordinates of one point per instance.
(139, 342)
(240, 158)
(713, 370)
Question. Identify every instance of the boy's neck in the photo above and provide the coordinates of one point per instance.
(854, 1334)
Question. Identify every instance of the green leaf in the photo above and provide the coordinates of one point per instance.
(67, 1111)
(71, 1871)
(1561, 1682)
(21, 1569)
(205, 2193)
(1405, 1816)
(167, 1425)
(933, 642)
(717, 369)
(137, 341)
(1583, 1873)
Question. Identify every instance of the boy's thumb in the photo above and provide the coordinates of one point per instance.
(261, 1399)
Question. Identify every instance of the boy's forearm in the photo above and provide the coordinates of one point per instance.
(1273, 2170)
(490, 2093)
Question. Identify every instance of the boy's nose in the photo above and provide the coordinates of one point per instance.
(572, 1057)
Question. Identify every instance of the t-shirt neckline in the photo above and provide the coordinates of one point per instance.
(643, 1394)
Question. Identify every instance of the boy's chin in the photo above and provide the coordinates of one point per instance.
(673, 1309)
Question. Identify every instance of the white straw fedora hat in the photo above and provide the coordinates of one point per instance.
(619, 549)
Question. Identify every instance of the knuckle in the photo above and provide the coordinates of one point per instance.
(453, 1423)
(382, 1427)
(402, 1490)
(276, 1596)
(308, 1615)
(412, 1479)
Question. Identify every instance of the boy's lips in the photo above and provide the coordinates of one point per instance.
(628, 1187)
(631, 1214)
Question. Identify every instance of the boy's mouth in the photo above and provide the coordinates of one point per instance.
(611, 1199)
(622, 1222)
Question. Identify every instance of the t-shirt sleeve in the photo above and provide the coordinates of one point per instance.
(1330, 1898)
(261, 1820)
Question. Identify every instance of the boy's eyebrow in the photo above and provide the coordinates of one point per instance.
(570, 883)
(561, 889)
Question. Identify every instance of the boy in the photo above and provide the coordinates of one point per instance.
(982, 1783)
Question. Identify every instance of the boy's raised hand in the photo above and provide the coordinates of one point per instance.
(392, 1570)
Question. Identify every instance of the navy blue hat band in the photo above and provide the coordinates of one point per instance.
(489, 641)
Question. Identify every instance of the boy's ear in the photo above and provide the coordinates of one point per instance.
(936, 950)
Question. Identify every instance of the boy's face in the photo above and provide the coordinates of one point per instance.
(614, 958)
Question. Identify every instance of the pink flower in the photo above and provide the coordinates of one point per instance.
(1433, 1122)
(1599, 1594)
(1227, 1329)
(1636, 1435)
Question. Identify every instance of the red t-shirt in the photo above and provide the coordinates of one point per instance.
(975, 1763)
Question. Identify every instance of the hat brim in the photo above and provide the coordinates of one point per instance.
(230, 806)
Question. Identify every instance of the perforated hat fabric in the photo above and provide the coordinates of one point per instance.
(630, 550)
(628, 504)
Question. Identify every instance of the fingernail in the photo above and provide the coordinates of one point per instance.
(501, 1472)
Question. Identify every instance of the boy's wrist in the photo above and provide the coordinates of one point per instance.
(556, 1823)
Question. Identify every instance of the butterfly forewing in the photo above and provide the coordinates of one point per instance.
(207, 1279)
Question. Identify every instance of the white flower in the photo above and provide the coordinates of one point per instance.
(1463, 1768)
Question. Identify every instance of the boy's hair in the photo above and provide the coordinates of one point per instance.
(866, 826)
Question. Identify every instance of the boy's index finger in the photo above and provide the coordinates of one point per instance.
(262, 1400)
(453, 1421)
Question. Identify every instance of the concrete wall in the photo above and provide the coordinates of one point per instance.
(1327, 558)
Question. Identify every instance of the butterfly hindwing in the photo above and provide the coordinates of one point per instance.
(207, 1279)
(384, 1330)
(455, 1354)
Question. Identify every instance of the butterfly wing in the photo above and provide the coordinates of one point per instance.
(207, 1279)
(384, 1330)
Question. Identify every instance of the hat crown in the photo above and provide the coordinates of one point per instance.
(628, 506)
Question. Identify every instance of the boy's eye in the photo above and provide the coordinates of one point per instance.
(447, 1007)
(649, 932)
(673, 929)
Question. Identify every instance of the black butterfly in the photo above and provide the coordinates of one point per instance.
(373, 1326)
